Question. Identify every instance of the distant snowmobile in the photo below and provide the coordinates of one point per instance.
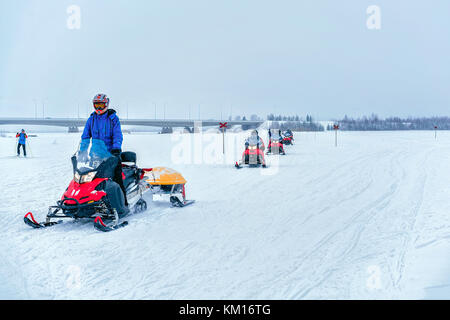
(275, 143)
(288, 137)
(94, 195)
(253, 156)
(275, 147)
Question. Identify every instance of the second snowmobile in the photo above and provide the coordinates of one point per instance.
(275, 142)
(275, 147)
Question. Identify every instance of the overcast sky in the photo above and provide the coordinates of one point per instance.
(239, 56)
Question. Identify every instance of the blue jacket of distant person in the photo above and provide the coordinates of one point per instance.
(105, 127)
(22, 137)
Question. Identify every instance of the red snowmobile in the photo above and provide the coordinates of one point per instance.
(253, 156)
(94, 195)
(287, 141)
(275, 146)
(288, 138)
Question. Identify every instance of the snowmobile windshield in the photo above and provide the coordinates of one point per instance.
(275, 137)
(90, 155)
(253, 140)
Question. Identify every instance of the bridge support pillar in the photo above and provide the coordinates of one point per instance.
(189, 129)
(198, 126)
(73, 129)
(249, 126)
(167, 130)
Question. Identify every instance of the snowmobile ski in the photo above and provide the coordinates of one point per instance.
(256, 165)
(29, 220)
(101, 226)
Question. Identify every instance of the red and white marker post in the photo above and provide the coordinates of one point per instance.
(336, 128)
(223, 126)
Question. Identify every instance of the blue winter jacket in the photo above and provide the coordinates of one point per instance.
(105, 127)
(22, 137)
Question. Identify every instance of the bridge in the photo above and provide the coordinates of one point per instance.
(166, 124)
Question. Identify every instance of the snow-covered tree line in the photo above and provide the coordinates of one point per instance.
(295, 123)
(374, 123)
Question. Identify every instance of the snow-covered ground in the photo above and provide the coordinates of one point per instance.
(369, 219)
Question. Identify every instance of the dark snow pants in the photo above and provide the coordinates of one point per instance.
(23, 147)
(119, 179)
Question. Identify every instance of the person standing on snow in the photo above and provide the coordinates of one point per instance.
(104, 124)
(22, 141)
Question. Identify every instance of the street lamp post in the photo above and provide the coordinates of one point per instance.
(35, 108)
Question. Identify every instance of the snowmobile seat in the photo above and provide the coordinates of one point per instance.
(128, 156)
(130, 175)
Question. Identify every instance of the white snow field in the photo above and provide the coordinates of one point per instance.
(369, 219)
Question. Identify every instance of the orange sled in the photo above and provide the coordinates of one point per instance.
(167, 181)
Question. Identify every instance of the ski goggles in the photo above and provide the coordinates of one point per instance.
(99, 105)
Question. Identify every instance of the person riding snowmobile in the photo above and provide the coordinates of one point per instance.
(255, 137)
(253, 153)
(104, 124)
(275, 138)
(22, 142)
(288, 137)
(276, 135)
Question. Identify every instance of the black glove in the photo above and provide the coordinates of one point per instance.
(116, 152)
